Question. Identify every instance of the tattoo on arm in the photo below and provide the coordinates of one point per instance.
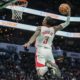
(33, 38)
(65, 24)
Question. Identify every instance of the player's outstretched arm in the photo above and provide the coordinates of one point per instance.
(33, 38)
(66, 23)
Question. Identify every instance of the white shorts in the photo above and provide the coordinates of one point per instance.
(43, 55)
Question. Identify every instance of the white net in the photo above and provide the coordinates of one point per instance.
(17, 15)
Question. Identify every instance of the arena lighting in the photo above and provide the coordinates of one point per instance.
(17, 25)
(42, 13)
(33, 28)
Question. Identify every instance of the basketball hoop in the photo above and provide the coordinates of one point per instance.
(17, 15)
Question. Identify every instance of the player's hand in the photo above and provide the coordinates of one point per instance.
(26, 45)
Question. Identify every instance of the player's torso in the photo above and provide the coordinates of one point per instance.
(45, 38)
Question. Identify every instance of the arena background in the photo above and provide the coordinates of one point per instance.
(17, 63)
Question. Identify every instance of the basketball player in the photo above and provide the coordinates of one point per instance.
(44, 36)
(4, 3)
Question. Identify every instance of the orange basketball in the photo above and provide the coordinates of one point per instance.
(63, 8)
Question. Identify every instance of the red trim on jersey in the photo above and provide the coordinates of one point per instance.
(37, 64)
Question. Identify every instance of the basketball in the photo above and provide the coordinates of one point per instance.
(63, 8)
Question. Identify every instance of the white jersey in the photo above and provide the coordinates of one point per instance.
(45, 38)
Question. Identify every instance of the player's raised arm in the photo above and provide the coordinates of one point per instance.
(33, 38)
(66, 23)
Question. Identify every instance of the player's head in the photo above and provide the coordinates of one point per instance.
(48, 21)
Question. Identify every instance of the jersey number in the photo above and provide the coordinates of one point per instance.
(45, 40)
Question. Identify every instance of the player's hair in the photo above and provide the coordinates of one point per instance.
(50, 21)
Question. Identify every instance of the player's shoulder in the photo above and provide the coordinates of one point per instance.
(45, 27)
(38, 28)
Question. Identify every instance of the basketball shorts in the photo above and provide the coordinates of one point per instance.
(43, 55)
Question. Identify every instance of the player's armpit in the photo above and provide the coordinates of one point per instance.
(33, 38)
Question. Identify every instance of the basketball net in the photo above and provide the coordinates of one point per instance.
(17, 15)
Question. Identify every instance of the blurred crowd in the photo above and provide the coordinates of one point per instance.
(17, 36)
(21, 66)
(14, 66)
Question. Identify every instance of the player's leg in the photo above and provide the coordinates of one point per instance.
(54, 68)
(41, 72)
(4, 3)
(40, 64)
(55, 71)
